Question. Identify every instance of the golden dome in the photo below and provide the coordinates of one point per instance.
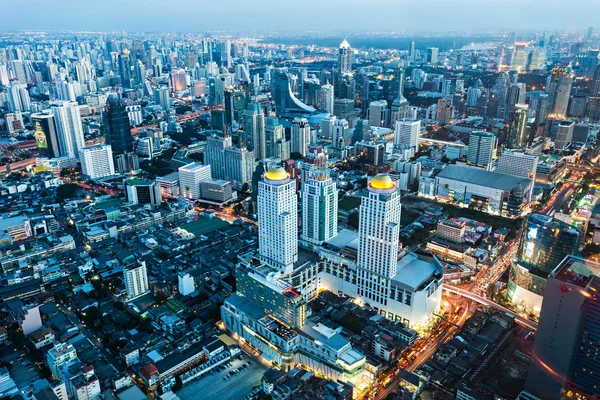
(277, 174)
(382, 181)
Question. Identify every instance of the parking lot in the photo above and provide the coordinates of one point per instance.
(216, 386)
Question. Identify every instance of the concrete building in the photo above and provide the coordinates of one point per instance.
(186, 284)
(300, 135)
(68, 127)
(142, 191)
(216, 190)
(190, 177)
(61, 354)
(135, 277)
(239, 166)
(97, 161)
(379, 114)
(407, 133)
(564, 134)
(169, 185)
(319, 207)
(278, 220)
(482, 149)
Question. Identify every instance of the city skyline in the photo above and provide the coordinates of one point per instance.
(269, 15)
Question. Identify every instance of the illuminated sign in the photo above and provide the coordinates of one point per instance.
(529, 247)
(532, 233)
(40, 135)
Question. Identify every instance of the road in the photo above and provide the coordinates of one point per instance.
(558, 199)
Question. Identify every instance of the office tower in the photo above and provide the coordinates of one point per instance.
(518, 135)
(412, 52)
(327, 126)
(378, 239)
(117, 132)
(344, 108)
(125, 68)
(319, 207)
(254, 130)
(239, 166)
(517, 163)
(566, 358)
(68, 127)
(66, 90)
(515, 95)
(190, 177)
(162, 97)
(407, 134)
(178, 80)
(46, 137)
(278, 220)
(559, 90)
(136, 279)
(341, 134)
(300, 135)
(325, 102)
(97, 161)
(185, 283)
(564, 134)
(139, 72)
(285, 100)
(400, 104)
(214, 155)
(19, 71)
(142, 191)
(519, 57)
(345, 57)
(588, 63)
(18, 98)
(482, 147)
(474, 93)
(274, 135)
(3, 75)
(379, 113)
(593, 109)
(432, 55)
(262, 166)
(445, 111)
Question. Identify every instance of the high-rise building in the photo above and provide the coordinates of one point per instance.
(566, 360)
(178, 80)
(300, 135)
(68, 127)
(345, 57)
(117, 131)
(254, 131)
(239, 166)
(593, 109)
(341, 134)
(559, 90)
(326, 97)
(18, 98)
(97, 161)
(142, 191)
(407, 134)
(275, 143)
(319, 207)
(125, 68)
(162, 97)
(135, 277)
(286, 102)
(278, 220)
(564, 134)
(518, 135)
(517, 163)
(379, 114)
(400, 105)
(190, 177)
(445, 111)
(378, 235)
(214, 155)
(46, 137)
(432, 55)
(482, 147)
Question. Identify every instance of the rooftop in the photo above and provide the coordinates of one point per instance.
(481, 177)
(413, 272)
(576, 271)
(138, 182)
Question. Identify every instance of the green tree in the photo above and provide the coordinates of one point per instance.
(67, 190)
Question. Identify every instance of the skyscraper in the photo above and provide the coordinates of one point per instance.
(285, 100)
(400, 104)
(125, 68)
(178, 80)
(278, 220)
(300, 135)
(378, 235)
(190, 177)
(46, 137)
(162, 97)
(97, 161)
(518, 135)
(482, 147)
(407, 134)
(432, 55)
(326, 98)
(340, 134)
(566, 357)
(559, 90)
(68, 127)
(214, 155)
(345, 57)
(319, 207)
(379, 114)
(239, 166)
(254, 130)
(593, 110)
(117, 131)
(564, 134)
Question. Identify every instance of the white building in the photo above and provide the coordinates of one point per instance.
(379, 113)
(169, 185)
(564, 134)
(407, 133)
(319, 207)
(239, 166)
(68, 127)
(214, 155)
(61, 354)
(300, 135)
(326, 98)
(517, 163)
(278, 220)
(340, 134)
(145, 147)
(136, 279)
(97, 161)
(186, 283)
(190, 177)
(482, 149)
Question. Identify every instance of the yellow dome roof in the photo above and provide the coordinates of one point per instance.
(382, 181)
(277, 174)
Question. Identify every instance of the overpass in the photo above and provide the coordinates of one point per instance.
(482, 300)
(442, 142)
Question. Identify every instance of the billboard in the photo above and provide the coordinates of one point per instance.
(40, 135)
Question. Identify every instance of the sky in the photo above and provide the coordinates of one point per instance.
(250, 16)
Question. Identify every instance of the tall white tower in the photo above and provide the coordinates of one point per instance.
(69, 127)
(278, 220)
(136, 279)
(378, 234)
(300, 135)
(319, 207)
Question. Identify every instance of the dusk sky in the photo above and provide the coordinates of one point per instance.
(342, 15)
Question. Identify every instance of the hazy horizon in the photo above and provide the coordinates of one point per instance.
(269, 15)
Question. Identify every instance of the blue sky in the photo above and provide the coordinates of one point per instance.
(294, 15)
